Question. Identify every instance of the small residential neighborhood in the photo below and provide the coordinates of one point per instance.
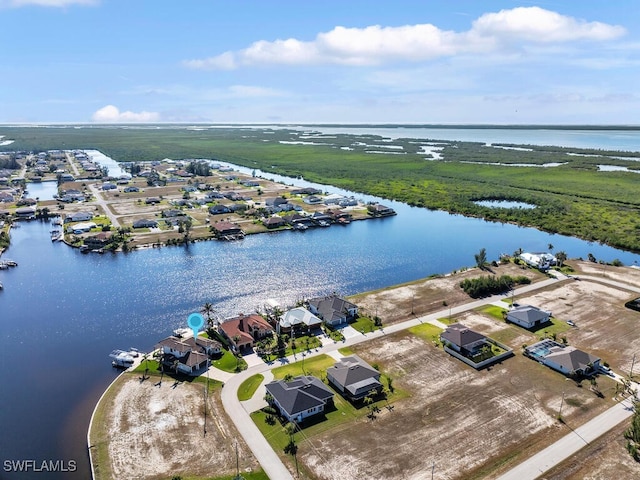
(314, 383)
(167, 202)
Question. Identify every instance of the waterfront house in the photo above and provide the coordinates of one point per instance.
(243, 330)
(378, 210)
(298, 318)
(541, 261)
(332, 309)
(98, 241)
(528, 316)
(273, 222)
(306, 191)
(109, 186)
(190, 358)
(333, 199)
(78, 217)
(25, 213)
(563, 358)
(354, 378)
(227, 230)
(300, 398)
(82, 227)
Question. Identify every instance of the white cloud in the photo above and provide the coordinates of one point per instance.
(111, 114)
(375, 45)
(45, 3)
(538, 25)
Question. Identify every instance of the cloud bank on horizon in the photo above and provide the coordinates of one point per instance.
(375, 45)
(246, 62)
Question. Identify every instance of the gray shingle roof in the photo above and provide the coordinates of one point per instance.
(300, 394)
(352, 373)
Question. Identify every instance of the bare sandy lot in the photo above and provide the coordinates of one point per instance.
(468, 424)
(155, 432)
(605, 459)
(402, 302)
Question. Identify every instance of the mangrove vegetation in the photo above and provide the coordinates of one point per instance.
(572, 195)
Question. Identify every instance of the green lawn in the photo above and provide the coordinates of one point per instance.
(249, 387)
(346, 351)
(316, 366)
(427, 332)
(364, 324)
(228, 362)
(302, 343)
(494, 311)
(556, 327)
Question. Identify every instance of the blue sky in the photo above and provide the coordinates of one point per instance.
(329, 61)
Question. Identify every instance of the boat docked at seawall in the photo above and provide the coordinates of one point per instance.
(122, 359)
(5, 264)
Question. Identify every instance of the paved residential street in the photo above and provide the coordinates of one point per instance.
(571, 443)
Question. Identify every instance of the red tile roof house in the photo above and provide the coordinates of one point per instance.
(223, 230)
(191, 355)
(243, 330)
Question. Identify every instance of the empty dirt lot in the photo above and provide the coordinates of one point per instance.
(154, 432)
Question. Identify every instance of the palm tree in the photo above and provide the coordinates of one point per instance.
(208, 310)
(561, 257)
(550, 247)
(481, 258)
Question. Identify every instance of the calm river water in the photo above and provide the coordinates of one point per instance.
(62, 312)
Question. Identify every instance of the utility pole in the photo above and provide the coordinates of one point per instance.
(433, 467)
(633, 361)
(560, 411)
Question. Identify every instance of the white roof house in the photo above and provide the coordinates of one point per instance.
(539, 260)
(298, 317)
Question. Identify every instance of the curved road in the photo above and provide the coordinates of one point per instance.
(529, 469)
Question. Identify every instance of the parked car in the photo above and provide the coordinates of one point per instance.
(571, 323)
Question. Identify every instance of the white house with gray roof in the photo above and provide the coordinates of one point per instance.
(563, 358)
(528, 316)
(333, 310)
(300, 398)
(298, 317)
(354, 377)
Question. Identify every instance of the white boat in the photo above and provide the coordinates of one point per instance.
(1, 287)
(181, 332)
(121, 359)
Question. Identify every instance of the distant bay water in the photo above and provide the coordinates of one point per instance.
(62, 312)
(610, 139)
